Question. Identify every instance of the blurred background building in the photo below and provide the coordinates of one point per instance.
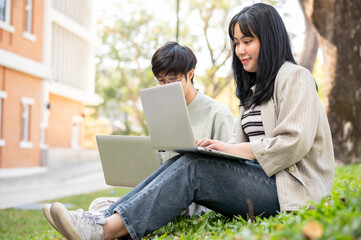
(46, 80)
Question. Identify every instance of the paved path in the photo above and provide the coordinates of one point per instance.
(24, 190)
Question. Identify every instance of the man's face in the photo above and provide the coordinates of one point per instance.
(170, 78)
(187, 85)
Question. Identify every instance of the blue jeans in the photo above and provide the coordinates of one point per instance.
(226, 186)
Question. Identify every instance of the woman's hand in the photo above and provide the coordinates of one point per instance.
(209, 143)
(240, 149)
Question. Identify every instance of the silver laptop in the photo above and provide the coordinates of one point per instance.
(168, 120)
(126, 160)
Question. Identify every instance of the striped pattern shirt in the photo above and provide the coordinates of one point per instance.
(252, 124)
(302, 173)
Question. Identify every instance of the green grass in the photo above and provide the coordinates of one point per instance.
(31, 224)
(337, 217)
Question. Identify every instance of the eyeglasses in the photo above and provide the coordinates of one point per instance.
(166, 81)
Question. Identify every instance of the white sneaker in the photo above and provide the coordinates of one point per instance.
(47, 214)
(77, 225)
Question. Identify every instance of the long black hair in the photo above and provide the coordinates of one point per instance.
(264, 22)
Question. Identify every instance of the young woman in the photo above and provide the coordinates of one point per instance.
(281, 126)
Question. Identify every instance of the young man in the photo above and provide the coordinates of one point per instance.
(209, 118)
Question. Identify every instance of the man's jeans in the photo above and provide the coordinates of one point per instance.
(227, 186)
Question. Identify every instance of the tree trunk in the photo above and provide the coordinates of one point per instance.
(338, 26)
(310, 44)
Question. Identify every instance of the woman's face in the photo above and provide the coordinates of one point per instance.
(247, 49)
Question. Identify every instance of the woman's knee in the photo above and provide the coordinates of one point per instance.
(195, 161)
(189, 158)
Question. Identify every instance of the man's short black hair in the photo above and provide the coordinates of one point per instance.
(173, 58)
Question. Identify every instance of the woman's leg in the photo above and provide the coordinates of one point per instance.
(114, 227)
(140, 186)
(79, 224)
(227, 186)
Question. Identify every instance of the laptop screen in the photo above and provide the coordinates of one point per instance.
(167, 117)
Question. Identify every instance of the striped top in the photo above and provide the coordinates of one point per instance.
(252, 124)
(295, 149)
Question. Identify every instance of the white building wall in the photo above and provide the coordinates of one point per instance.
(68, 55)
(79, 11)
(72, 44)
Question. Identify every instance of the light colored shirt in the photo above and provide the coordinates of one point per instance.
(210, 118)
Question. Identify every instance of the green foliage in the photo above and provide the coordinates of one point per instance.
(131, 35)
(131, 32)
(123, 63)
(335, 217)
(214, 17)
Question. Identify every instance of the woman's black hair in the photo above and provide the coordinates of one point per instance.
(173, 58)
(262, 21)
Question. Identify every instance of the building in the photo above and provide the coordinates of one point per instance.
(46, 78)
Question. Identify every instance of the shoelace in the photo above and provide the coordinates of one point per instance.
(91, 218)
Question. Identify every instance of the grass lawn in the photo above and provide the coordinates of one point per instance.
(337, 217)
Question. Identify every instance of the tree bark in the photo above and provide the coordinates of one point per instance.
(310, 44)
(338, 26)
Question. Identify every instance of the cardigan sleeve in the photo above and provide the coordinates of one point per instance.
(296, 102)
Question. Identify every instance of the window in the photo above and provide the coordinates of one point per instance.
(27, 103)
(44, 126)
(29, 21)
(3, 95)
(29, 16)
(5, 11)
(75, 138)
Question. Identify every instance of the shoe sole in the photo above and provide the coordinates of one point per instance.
(60, 217)
(47, 214)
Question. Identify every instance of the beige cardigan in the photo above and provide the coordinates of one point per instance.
(297, 147)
